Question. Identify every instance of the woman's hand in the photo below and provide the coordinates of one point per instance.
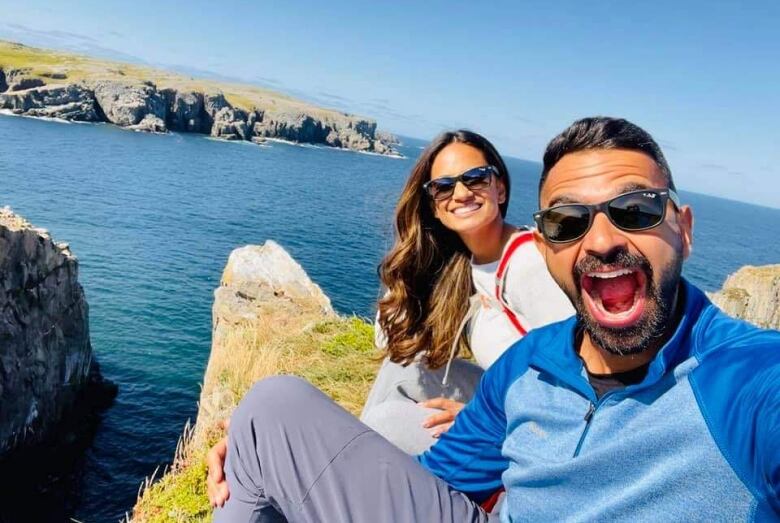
(441, 422)
(216, 484)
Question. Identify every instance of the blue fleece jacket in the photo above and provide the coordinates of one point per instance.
(697, 440)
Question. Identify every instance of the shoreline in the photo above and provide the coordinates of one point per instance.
(397, 156)
(65, 86)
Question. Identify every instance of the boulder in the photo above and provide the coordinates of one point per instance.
(69, 102)
(46, 357)
(212, 103)
(230, 124)
(150, 124)
(269, 266)
(752, 294)
(126, 104)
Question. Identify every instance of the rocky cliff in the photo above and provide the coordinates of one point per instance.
(46, 359)
(259, 284)
(39, 83)
(752, 294)
(268, 318)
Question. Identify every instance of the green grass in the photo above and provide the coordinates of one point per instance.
(336, 355)
(178, 496)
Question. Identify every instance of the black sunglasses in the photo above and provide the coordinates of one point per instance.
(632, 211)
(474, 179)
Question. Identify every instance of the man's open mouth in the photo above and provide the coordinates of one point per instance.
(615, 298)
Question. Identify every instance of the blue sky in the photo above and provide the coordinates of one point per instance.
(702, 77)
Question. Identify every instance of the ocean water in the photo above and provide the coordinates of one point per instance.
(153, 219)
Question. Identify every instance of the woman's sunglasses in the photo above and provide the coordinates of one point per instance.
(632, 211)
(474, 179)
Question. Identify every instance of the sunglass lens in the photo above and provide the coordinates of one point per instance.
(565, 223)
(637, 211)
(476, 178)
(441, 188)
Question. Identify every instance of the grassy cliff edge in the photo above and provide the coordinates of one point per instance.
(268, 318)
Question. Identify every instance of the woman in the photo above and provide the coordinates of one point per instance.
(459, 279)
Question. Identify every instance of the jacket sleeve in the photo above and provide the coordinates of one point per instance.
(738, 391)
(468, 456)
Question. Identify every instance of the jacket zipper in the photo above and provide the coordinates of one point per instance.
(592, 408)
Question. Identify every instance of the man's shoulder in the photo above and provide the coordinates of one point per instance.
(719, 338)
(736, 383)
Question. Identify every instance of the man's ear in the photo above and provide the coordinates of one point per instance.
(685, 217)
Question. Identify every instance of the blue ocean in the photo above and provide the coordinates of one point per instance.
(153, 219)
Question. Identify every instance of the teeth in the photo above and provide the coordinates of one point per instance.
(465, 209)
(611, 274)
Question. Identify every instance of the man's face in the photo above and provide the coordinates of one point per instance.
(623, 284)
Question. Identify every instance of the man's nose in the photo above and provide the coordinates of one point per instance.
(603, 237)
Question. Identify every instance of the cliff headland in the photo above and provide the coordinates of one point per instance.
(50, 383)
(270, 318)
(48, 84)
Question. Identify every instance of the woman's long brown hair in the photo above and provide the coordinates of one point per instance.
(427, 273)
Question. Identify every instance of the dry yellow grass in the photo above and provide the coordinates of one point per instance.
(336, 354)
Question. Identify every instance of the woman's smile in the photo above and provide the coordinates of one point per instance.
(466, 210)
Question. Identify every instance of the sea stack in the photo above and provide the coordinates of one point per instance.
(47, 369)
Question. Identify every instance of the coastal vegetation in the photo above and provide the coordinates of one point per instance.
(44, 83)
(335, 354)
(269, 318)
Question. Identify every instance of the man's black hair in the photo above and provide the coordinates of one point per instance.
(603, 132)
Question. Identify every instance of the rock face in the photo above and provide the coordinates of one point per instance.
(258, 282)
(140, 106)
(128, 105)
(68, 102)
(230, 124)
(254, 268)
(186, 112)
(752, 294)
(45, 352)
(19, 80)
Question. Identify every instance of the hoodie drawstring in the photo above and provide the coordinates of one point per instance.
(473, 308)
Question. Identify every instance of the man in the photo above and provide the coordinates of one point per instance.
(649, 405)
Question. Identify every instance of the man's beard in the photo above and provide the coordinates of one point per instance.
(649, 331)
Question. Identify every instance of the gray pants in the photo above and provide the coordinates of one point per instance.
(295, 455)
(392, 406)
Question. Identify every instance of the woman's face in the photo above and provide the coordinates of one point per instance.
(466, 211)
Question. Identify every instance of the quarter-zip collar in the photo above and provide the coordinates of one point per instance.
(559, 357)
